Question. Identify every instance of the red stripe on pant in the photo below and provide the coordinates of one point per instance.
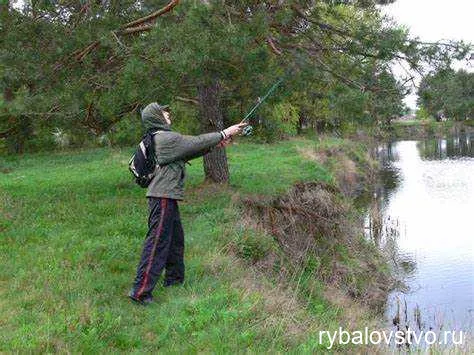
(164, 204)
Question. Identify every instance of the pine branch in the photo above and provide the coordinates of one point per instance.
(80, 56)
(321, 25)
(127, 29)
(333, 72)
(188, 100)
(132, 30)
(273, 47)
(8, 132)
(153, 15)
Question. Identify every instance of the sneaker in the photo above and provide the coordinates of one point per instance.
(143, 302)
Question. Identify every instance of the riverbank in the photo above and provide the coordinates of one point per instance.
(73, 224)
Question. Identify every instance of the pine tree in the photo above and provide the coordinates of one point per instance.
(86, 67)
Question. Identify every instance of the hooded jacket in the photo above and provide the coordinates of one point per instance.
(172, 151)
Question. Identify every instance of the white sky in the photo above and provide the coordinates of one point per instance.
(433, 20)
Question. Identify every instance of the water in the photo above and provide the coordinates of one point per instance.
(423, 215)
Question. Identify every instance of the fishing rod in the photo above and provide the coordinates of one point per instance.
(247, 131)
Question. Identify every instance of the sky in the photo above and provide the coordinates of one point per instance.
(433, 20)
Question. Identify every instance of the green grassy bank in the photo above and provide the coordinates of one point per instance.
(72, 225)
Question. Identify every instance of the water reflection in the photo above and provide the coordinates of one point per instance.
(436, 149)
(422, 215)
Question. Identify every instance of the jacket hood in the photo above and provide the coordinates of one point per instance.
(153, 118)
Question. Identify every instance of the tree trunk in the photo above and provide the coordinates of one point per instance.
(215, 162)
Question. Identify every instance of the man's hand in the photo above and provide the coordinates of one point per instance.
(235, 129)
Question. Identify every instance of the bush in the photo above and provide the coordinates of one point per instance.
(422, 114)
(30, 138)
(253, 246)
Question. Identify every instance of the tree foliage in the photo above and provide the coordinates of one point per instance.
(448, 92)
(87, 67)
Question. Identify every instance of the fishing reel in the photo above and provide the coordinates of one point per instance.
(247, 131)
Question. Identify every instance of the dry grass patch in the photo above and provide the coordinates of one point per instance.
(313, 155)
(279, 307)
(317, 235)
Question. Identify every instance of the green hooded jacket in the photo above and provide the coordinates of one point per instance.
(173, 150)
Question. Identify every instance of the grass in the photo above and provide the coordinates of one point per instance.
(72, 226)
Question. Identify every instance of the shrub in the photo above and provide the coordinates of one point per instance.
(252, 246)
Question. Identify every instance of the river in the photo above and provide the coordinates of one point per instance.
(422, 216)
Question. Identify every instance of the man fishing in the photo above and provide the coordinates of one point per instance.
(164, 244)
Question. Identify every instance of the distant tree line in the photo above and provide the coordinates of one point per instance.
(448, 94)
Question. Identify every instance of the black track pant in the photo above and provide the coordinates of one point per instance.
(163, 248)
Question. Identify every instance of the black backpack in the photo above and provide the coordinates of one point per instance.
(143, 163)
